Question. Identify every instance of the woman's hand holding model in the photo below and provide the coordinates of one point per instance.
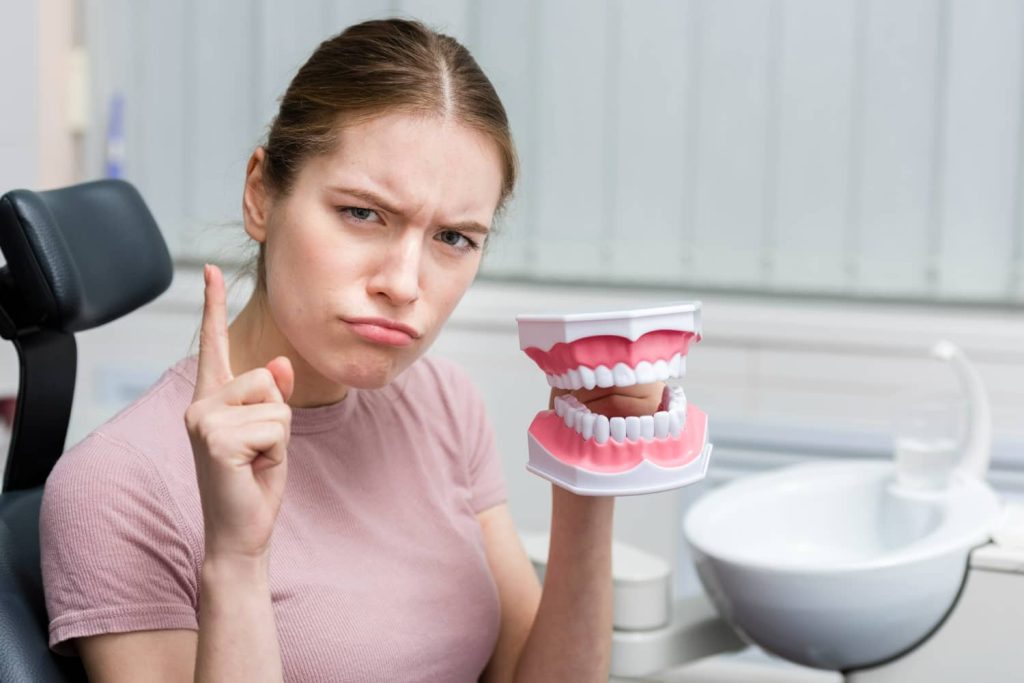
(239, 429)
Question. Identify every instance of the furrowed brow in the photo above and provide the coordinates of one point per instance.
(468, 226)
(368, 196)
(379, 201)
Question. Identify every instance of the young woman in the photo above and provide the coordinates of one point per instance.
(310, 498)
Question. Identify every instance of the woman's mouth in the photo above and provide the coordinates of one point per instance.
(381, 331)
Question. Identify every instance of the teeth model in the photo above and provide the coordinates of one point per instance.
(589, 453)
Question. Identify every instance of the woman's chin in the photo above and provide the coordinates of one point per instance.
(369, 375)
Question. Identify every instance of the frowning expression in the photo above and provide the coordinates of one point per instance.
(377, 241)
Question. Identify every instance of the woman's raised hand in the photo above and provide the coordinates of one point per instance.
(239, 429)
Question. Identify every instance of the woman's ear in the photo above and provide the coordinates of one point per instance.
(255, 198)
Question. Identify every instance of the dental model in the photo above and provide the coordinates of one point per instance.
(591, 454)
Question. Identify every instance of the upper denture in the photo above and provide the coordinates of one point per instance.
(609, 350)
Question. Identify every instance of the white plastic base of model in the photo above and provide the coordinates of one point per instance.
(543, 331)
(647, 477)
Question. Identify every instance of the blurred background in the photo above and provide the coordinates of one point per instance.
(841, 182)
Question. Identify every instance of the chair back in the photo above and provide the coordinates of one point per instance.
(77, 257)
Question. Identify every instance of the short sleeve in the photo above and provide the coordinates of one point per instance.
(114, 557)
(483, 462)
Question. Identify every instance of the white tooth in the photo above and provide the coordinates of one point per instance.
(647, 427)
(644, 372)
(559, 406)
(551, 381)
(575, 382)
(601, 429)
(661, 424)
(675, 422)
(624, 375)
(673, 365)
(633, 428)
(587, 377)
(577, 421)
(682, 366)
(566, 382)
(588, 425)
(603, 376)
(660, 370)
(568, 417)
(617, 425)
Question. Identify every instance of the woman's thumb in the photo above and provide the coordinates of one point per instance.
(284, 375)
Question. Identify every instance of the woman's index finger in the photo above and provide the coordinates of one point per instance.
(214, 369)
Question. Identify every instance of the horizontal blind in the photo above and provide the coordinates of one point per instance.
(862, 148)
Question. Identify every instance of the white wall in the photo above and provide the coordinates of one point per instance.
(39, 131)
(19, 106)
(868, 148)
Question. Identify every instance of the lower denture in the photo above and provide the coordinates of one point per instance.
(565, 444)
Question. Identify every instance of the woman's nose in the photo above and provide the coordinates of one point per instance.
(398, 274)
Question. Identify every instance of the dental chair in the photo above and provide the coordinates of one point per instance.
(77, 257)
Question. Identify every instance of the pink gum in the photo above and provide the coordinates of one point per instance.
(567, 445)
(608, 350)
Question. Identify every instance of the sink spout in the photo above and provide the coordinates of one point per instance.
(976, 446)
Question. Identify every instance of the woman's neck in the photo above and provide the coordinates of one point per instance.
(255, 340)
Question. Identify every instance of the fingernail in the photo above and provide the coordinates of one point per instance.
(206, 273)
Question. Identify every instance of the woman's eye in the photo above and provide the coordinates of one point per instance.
(359, 213)
(456, 239)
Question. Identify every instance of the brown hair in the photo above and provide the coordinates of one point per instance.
(372, 68)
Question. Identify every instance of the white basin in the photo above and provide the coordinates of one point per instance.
(829, 565)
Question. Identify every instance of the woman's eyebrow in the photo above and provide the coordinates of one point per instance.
(367, 196)
(377, 200)
(468, 226)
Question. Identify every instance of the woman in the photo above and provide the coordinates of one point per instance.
(310, 498)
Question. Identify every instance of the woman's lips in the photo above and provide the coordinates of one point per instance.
(383, 331)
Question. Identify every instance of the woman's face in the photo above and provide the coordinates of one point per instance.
(376, 243)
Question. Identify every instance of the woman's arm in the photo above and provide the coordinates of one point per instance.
(237, 631)
(568, 635)
(562, 633)
(571, 638)
(237, 638)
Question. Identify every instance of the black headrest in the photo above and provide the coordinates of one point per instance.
(79, 256)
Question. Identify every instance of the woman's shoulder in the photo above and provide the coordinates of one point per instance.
(150, 428)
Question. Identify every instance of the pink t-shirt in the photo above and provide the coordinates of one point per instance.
(377, 566)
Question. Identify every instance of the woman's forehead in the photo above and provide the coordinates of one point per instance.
(415, 159)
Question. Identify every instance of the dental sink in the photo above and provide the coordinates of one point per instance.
(852, 565)
(831, 565)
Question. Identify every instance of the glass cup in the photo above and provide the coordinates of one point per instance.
(927, 443)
